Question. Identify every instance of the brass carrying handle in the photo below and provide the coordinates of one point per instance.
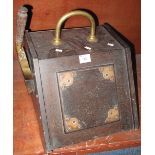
(91, 37)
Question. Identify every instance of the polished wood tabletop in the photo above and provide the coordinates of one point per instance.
(27, 140)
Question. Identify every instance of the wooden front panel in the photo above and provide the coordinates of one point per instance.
(116, 108)
(123, 15)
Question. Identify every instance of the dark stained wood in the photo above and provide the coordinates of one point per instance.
(82, 101)
(123, 15)
(26, 131)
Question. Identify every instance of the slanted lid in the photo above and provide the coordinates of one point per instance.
(74, 42)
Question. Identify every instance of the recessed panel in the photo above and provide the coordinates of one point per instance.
(88, 97)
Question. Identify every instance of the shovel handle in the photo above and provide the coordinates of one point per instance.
(21, 23)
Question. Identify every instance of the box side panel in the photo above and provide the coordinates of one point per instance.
(133, 86)
(37, 95)
(41, 110)
(131, 67)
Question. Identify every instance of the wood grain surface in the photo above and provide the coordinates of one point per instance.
(27, 139)
(122, 15)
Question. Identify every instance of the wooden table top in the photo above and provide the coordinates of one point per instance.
(27, 139)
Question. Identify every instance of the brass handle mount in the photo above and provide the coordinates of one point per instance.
(91, 38)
